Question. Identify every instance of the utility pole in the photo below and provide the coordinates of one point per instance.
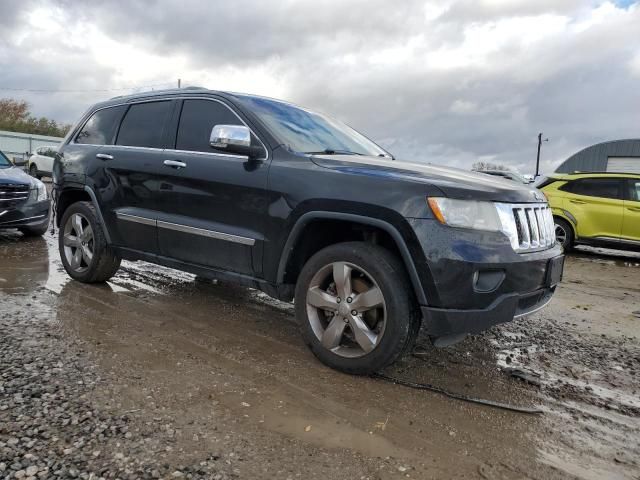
(179, 82)
(538, 158)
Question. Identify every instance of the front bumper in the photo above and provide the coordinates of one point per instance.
(443, 322)
(478, 280)
(30, 214)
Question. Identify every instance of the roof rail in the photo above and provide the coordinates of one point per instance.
(599, 172)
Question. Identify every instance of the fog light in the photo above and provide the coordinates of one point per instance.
(485, 281)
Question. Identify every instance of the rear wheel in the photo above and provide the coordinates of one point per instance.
(33, 171)
(355, 307)
(84, 251)
(564, 233)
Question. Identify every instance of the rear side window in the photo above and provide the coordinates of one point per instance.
(101, 127)
(596, 187)
(634, 190)
(143, 125)
(197, 119)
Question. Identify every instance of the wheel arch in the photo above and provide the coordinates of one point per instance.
(69, 196)
(293, 255)
(567, 217)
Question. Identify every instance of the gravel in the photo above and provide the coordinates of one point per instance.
(53, 423)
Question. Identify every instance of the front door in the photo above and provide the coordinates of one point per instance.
(631, 219)
(597, 205)
(212, 205)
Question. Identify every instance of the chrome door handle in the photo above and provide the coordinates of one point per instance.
(175, 164)
(104, 156)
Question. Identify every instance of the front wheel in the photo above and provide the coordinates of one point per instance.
(564, 233)
(356, 308)
(33, 171)
(84, 251)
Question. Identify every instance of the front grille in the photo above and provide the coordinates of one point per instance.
(12, 195)
(534, 226)
(529, 226)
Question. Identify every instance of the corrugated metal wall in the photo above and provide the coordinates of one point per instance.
(15, 144)
(595, 157)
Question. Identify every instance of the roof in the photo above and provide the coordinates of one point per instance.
(596, 157)
(577, 175)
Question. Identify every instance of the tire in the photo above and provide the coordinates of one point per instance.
(103, 262)
(35, 231)
(564, 233)
(394, 323)
(33, 171)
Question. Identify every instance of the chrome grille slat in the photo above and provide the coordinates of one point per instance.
(12, 195)
(529, 226)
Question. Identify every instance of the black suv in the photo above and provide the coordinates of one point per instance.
(294, 203)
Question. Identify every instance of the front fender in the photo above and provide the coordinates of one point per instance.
(393, 231)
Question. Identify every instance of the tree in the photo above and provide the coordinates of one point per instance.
(480, 166)
(15, 116)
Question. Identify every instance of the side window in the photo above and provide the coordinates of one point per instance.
(143, 124)
(596, 187)
(197, 119)
(101, 127)
(634, 190)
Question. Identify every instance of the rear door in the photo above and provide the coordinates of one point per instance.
(127, 175)
(214, 206)
(631, 219)
(597, 204)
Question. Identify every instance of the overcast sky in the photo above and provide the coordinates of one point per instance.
(448, 82)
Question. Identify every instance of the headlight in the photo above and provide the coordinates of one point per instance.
(466, 213)
(38, 191)
(528, 226)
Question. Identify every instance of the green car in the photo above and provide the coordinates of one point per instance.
(598, 209)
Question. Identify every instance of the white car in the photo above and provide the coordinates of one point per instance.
(41, 162)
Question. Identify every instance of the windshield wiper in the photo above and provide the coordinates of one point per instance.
(331, 151)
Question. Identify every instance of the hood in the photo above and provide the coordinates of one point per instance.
(13, 175)
(453, 182)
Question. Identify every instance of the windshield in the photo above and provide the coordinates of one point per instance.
(309, 132)
(4, 161)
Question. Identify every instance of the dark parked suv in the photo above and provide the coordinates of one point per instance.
(24, 201)
(294, 203)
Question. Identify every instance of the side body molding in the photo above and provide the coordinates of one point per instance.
(390, 229)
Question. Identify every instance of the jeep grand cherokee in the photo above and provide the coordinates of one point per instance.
(280, 198)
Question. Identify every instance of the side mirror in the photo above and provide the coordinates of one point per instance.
(234, 139)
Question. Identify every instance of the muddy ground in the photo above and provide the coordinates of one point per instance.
(182, 378)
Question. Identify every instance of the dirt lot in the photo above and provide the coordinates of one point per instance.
(158, 375)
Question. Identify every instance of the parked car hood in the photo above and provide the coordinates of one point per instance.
(453, 182)
(14, 175)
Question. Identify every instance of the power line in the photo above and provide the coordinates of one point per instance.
(100, 90)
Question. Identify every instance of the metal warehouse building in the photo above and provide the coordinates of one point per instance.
(17, 145)
(614, 156)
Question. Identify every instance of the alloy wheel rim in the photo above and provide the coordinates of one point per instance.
(346, 309)
(561, 234)
(78, 243)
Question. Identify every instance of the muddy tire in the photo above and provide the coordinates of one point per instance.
(356, 308)
(84, 251)
(564, 233)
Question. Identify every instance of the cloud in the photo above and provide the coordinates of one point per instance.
(444, 82)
